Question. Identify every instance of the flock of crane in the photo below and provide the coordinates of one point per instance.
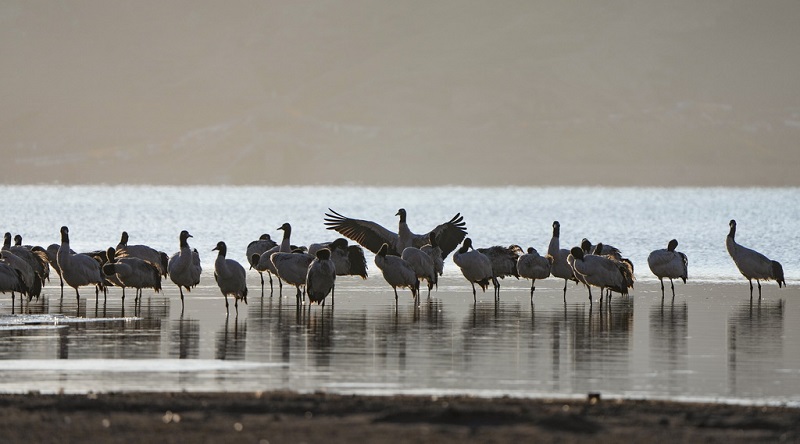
(405, 259)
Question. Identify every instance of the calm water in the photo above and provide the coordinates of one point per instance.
(711, 342)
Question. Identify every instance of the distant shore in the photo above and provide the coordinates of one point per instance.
(277, 417)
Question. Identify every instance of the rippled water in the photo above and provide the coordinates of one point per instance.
(711, 342)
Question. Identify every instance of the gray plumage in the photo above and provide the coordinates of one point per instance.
(602, 249)
(284, 247)
(184, 266)
(40, 255)
(260, 245)
(132, 272)
(348, 259)
(230, 277)
(10, 281)
(35, 255)
(372, 235)
(52, 257)
(321, 277)
(78, 269)
(254, 251)
(504, 262)
(293, 268)
(263, 262)
(599, 271)
(396, 272)
(29, 278)
(286, 241)
(605, 250)
(100, 256)
(475, 266)
(18, 242)
(422, 264)
(669, 263)
(157, 258)
(533, 266)
(560, 268)
(752, 264)
(433, 250)
(39, 270)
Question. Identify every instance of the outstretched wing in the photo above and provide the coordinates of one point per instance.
(449, 235)
(369, 234)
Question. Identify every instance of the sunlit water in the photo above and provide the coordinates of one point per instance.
(710, 343)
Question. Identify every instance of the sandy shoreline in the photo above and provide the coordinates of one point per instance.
(291, 417)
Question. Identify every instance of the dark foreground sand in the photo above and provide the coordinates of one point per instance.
(283, 417)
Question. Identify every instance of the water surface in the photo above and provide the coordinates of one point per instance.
(710, 342)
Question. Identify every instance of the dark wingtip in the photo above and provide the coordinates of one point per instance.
(333, 221)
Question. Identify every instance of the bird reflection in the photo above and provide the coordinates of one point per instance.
(154, 307)
(38, 305)
(231, 340)
(669, 333)
(598, 339)
(496, 320)
(617, 317)
(184, 339)
(319, 328)
(755, 343)
(63, 343)
(548, 339)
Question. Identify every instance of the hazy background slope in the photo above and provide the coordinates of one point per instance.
(411, 92)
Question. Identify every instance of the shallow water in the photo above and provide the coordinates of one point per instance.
(710, 343)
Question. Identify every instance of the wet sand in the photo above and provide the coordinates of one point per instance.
(278, 417)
